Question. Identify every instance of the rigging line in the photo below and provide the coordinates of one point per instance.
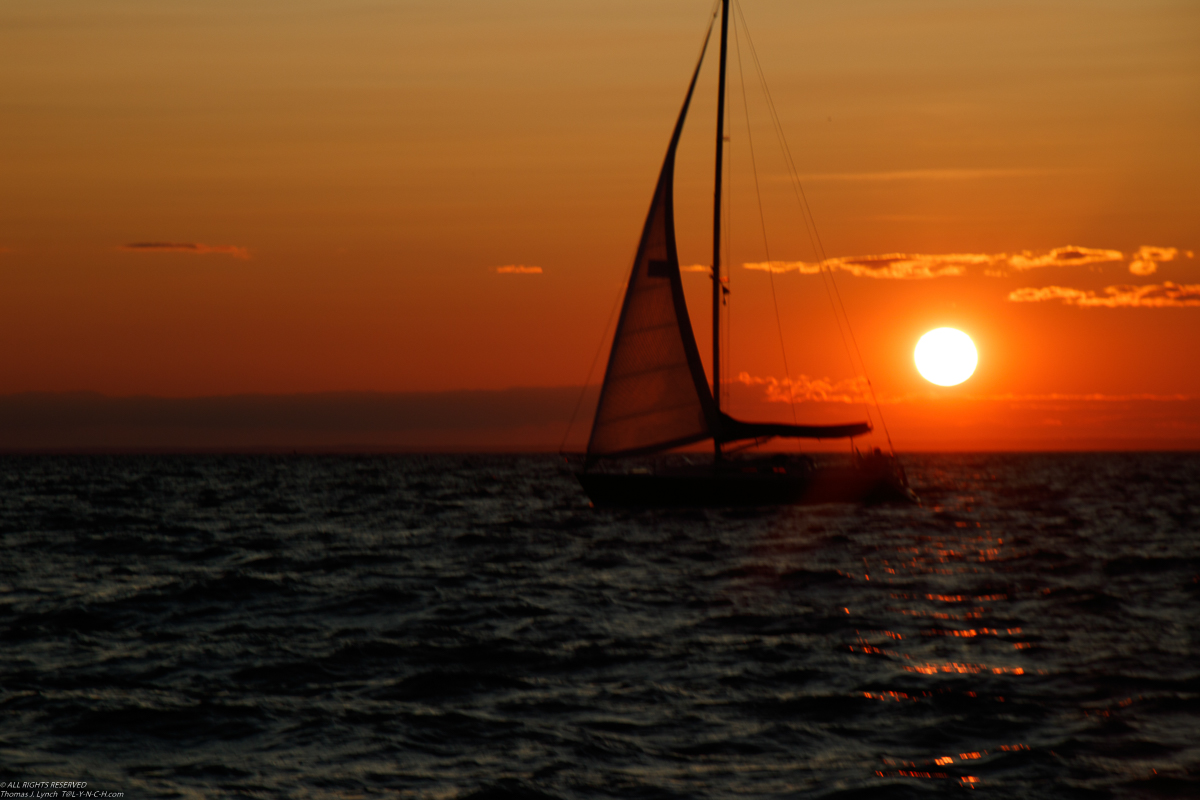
(726, 296)
(793, 174)
(727, 293)
(809, 226)
(820, 245)
(762, 218)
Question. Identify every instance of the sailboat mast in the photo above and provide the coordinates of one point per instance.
(716, 259)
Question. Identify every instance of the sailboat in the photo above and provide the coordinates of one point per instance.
(655, 396)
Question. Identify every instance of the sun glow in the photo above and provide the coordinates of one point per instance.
(946, 356)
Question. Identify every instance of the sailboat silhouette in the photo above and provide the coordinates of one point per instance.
(655, 395)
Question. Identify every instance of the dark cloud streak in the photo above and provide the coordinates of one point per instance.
(84, 420)
(233, 250)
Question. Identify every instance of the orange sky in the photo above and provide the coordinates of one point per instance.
(347, 177)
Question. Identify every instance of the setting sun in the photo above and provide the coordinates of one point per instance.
(946, 356)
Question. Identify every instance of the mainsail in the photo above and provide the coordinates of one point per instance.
(655, 395)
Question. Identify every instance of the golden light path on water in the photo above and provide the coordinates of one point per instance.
(965, 548)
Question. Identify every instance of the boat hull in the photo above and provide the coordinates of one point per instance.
(732, 488)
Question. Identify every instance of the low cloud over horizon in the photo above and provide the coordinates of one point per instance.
(1145, 260)
(805, 389)
(512, 418)
(922, 266)
(236, 251)
(544, 419)
(518, 269)
(1069, 256)
(901, 266)
(1164, 295)
(922, 175)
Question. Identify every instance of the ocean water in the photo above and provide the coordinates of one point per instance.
(467, 626)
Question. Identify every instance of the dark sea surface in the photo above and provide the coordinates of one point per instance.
(466, 626)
